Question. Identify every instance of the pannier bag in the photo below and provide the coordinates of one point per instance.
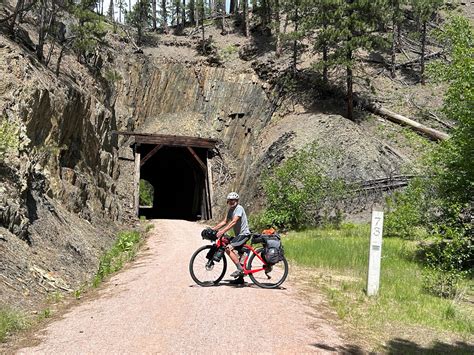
(273, 250)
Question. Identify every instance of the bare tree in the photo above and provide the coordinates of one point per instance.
(164, 17)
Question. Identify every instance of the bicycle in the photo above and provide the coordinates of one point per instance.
(206, 271)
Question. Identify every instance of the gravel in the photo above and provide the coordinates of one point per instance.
(154, 306)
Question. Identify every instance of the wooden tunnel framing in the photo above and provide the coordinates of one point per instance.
(190, 143)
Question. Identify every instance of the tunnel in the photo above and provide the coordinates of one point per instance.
(179, 180)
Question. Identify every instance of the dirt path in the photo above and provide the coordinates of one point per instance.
(154, 306)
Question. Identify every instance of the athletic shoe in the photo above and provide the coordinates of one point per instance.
(237, 281)
(237, 273)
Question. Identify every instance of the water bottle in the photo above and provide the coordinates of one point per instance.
(218, 255)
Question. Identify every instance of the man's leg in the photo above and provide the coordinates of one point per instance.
(234, 257)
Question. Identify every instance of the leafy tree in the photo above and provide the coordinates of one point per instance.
(139, 18)
(455, 156)
(444, 203)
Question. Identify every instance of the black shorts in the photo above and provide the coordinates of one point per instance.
(239, 241)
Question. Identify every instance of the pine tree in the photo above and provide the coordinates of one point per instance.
(354, 28)
(139, 18)
(424, 11)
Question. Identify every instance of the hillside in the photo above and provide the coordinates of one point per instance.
(67, 184)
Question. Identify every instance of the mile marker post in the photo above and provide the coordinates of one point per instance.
(375, 253)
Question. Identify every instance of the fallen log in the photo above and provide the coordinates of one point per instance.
(415, 61)
(395, 117)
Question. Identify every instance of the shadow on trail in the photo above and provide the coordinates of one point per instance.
(404, 346)
(226, 283)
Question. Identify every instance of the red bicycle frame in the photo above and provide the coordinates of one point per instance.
(220, 243)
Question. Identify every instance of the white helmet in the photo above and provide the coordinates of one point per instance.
(233, 196)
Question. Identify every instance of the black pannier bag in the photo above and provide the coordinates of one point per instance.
(273, 249)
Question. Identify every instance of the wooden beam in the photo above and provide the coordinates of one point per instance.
(211, 187)
(201, 164)
(150, 154)
(136, 180)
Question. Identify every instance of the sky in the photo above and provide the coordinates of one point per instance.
(107, 2)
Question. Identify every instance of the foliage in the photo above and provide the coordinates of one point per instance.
(146, 193)
(112, 76)
(89, 32)
(299, 192)
(443, 204)
(9, 138)
(139, 17)
(10, 321)
(122, 251)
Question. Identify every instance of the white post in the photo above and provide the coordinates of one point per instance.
(375, 253)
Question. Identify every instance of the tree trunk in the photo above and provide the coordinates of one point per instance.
(223, 13)
(277, 28)
(183, 14)
(18, 8)
(295, 42)
(41, 31)
(164, 20)
(203, 15)
(394, 117)
(233, 6)
(153, 14)
(245, 10)
(394, 40)
(325, 65)
(191, 11)
(350, 94)
(422, 59)
(110, 12)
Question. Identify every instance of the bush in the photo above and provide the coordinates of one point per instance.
(9, 138)
(300, 193)
(146, 193)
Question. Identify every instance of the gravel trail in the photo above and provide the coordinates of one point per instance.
(155, 307)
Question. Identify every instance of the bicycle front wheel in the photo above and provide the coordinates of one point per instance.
(206, 272)
(272, 276)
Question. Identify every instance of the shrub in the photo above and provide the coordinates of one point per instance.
(146, 193)
(9, 138)
(300, 193)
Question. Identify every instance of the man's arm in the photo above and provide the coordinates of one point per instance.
(220, 224)
(228, 226)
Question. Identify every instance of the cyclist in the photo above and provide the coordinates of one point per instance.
(235, 219)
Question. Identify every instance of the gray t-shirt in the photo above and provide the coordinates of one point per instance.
(242, 226)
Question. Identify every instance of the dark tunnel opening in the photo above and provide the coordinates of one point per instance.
(178, 183)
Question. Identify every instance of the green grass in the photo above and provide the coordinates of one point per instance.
(340, 258)
(10, 321)
(124, 250)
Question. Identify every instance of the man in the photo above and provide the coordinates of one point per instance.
(235, 219)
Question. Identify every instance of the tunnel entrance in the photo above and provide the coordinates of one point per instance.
(176, 169)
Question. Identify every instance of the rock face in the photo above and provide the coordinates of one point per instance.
(196, 100)
(58, 182)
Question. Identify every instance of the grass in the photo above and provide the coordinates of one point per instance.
(124, 250)
(340, 258)
(10, 321)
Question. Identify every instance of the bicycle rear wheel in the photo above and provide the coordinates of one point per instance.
(272, 277)
(206, 272)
